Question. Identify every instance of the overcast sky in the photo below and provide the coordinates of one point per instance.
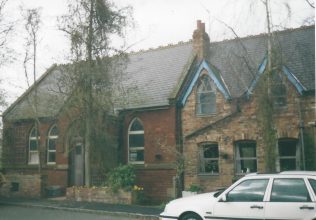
(156, 23)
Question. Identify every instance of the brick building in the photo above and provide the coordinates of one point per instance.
(194, 102)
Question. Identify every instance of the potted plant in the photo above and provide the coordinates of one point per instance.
(192, 190)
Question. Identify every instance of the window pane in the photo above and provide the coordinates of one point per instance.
(247, 149)
(206, 97)
(51, 157)
(246, 157)
(136, 155)
(287, 164)
(33, 158)
(248, 191)
(289, 190)
(33, 133)
(136, 126)
(247, 166)
(313, 184)
(211, 166)
(211, 151)
(52, 144)
(33, 145)
(53, 131)
(136, 140)
(287, 148)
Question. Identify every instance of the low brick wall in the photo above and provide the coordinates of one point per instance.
(96, 194)
(22, 185)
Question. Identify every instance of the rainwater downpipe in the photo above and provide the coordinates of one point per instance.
(301, 126)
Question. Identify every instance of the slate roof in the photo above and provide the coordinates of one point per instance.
(238, 60)
(156, 74)
(49, 99)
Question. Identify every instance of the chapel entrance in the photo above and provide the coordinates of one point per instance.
(76, 165)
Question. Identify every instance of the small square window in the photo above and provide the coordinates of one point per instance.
(289, 154)
(209, 156)
(246, 157)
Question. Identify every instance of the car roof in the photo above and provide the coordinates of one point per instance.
(296, 172)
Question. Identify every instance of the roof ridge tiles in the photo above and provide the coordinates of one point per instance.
(252, 36)
(161, 47)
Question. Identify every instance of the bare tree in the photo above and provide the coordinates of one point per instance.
(310, 3)
(6, 27)
(89, 25)
(32, 27)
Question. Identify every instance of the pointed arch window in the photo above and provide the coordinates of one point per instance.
(136, 142)
(206, 97)
(33, 156)
(51, 145)
(279, 91)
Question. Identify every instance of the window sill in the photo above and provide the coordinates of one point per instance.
(208, 174)
(205, 115)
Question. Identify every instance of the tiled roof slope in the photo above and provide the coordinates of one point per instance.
(49, 99)
(238, 60)
(155, 74)
(152, 75)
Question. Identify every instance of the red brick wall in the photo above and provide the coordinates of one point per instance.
(157, 183)
(160, 139)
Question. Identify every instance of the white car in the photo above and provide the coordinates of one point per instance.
(284, 196)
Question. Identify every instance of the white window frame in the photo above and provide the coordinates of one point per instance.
(297, 155)
(204, 160)
(205, 78)
(238, 159)
(33, 152)
(135, 148)
(279, 84)
(51, 137)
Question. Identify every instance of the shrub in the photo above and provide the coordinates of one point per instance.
(195, 188)
(121, 177)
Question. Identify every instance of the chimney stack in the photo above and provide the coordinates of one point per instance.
(201, 41)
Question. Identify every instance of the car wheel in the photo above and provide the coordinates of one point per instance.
(191, 216)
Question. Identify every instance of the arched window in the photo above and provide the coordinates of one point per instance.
(206, 97)
(136, 142)
(51, 145)
(279, 91)
(33, 146)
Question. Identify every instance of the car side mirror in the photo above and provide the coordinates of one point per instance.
(223, 198)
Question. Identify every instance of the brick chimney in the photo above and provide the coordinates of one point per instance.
(201, 41)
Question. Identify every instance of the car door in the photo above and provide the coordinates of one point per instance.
(244, 201)
(290, 198)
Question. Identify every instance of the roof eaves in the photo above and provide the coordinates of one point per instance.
(213, 74)
(293, 79)
(260, 71)
(183, 76)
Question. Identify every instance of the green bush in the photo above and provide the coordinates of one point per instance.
(195, 188)
(121, 177)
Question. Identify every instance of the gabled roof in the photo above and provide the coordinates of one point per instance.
(156, 73)
(239, 60)
(150, 75)
(159, 75)
(47, 90)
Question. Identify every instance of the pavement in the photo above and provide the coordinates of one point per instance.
(61, 203)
